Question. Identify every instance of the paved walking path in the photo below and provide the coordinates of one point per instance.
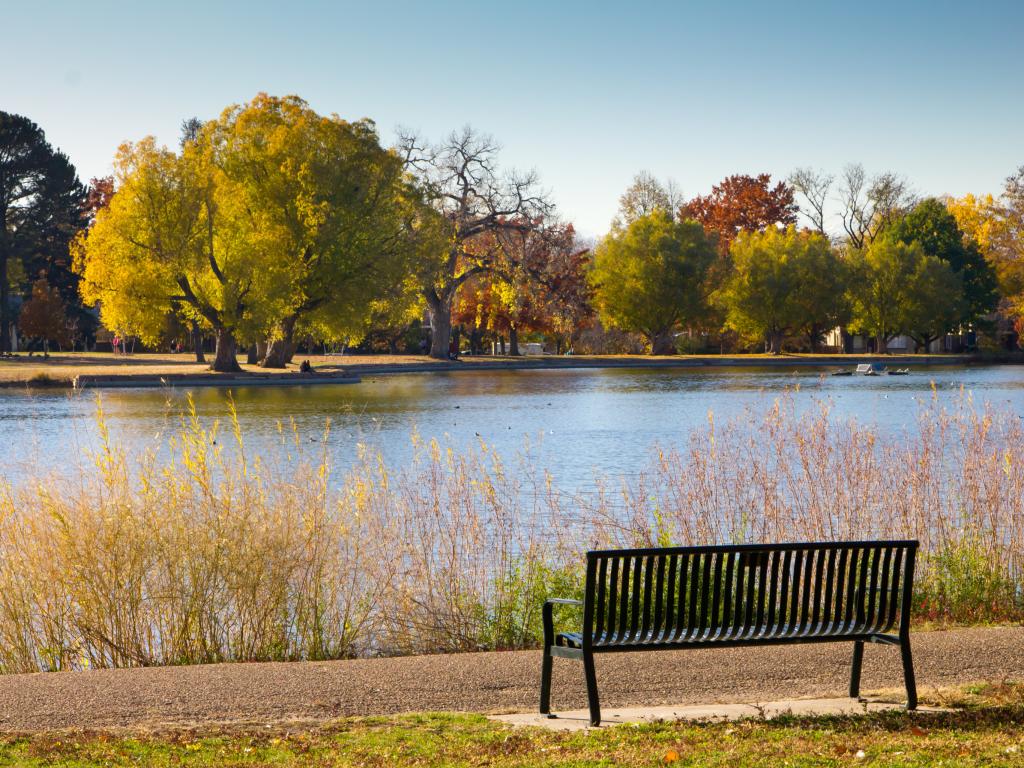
(310, 692)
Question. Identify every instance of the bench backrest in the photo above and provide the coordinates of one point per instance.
(737, 592)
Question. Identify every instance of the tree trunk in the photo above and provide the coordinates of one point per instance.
(291, 350)
(197, 343)
(440, 326)
(880, 347)
(252, 356)
(513, 342)
(663, 343)
(775, 342)
(501, 344)
(226, 357)
(282, 348)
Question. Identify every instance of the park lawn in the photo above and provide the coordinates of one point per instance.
(987, 729)
(61, 367)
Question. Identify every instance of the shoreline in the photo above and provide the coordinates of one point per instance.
(57, 375)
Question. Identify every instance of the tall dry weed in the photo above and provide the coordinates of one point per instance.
(207, 553)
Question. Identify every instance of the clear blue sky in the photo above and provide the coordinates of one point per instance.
(588, 93)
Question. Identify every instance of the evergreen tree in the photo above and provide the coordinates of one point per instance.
(41, 209)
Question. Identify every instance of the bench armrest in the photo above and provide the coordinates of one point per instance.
(548, 619)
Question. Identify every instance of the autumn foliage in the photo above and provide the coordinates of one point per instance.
(742, 203)
(43, 316)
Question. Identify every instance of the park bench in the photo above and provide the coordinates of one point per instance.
(738, 595)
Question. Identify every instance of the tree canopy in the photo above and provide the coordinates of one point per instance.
(650, 277)
(327, 205)
(478, 205)
(742, 203)
(169, 238)
(931, 225)
(783, 281)
(899, 288)
(269, 215)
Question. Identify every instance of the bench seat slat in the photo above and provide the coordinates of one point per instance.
(765, 632)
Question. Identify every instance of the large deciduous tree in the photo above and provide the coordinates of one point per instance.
(170, 239)
(651, 277)
(996, 224)
(477, 204)
(742, 203)
(783, 281)
(899, 288)
(269, 216)
(41, 203)
(325, 202)
(934, 228)
(934, 303)
(541, 286)
(879, 288)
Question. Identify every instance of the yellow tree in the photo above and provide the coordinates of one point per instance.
(997, 225)
(326, 204)
(650, 277)
(170, 239)
(783, 281)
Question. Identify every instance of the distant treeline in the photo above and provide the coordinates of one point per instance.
(272, 225)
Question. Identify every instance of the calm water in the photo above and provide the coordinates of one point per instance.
(576, 422)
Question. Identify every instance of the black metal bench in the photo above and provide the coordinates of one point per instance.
(738, 595)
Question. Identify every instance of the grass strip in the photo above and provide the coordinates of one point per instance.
(986, 729)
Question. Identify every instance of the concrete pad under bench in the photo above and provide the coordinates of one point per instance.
(579, 719)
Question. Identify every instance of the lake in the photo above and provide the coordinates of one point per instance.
(577, 422)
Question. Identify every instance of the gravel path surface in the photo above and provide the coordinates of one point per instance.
(311, 692)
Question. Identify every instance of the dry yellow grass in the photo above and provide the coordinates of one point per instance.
(207, 553)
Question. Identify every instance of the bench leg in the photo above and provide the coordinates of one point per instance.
(545, 682)
(908, 673)
(592, 700)
(858, 660)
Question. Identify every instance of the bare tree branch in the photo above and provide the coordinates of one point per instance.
(814, 187)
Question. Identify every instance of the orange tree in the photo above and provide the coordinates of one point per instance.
(742, 203)
(43, 317)
(538, 283)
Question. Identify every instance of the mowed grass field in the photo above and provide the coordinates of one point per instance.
(985, 729)
(62, 367)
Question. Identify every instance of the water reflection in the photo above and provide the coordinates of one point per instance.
(577, 422)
